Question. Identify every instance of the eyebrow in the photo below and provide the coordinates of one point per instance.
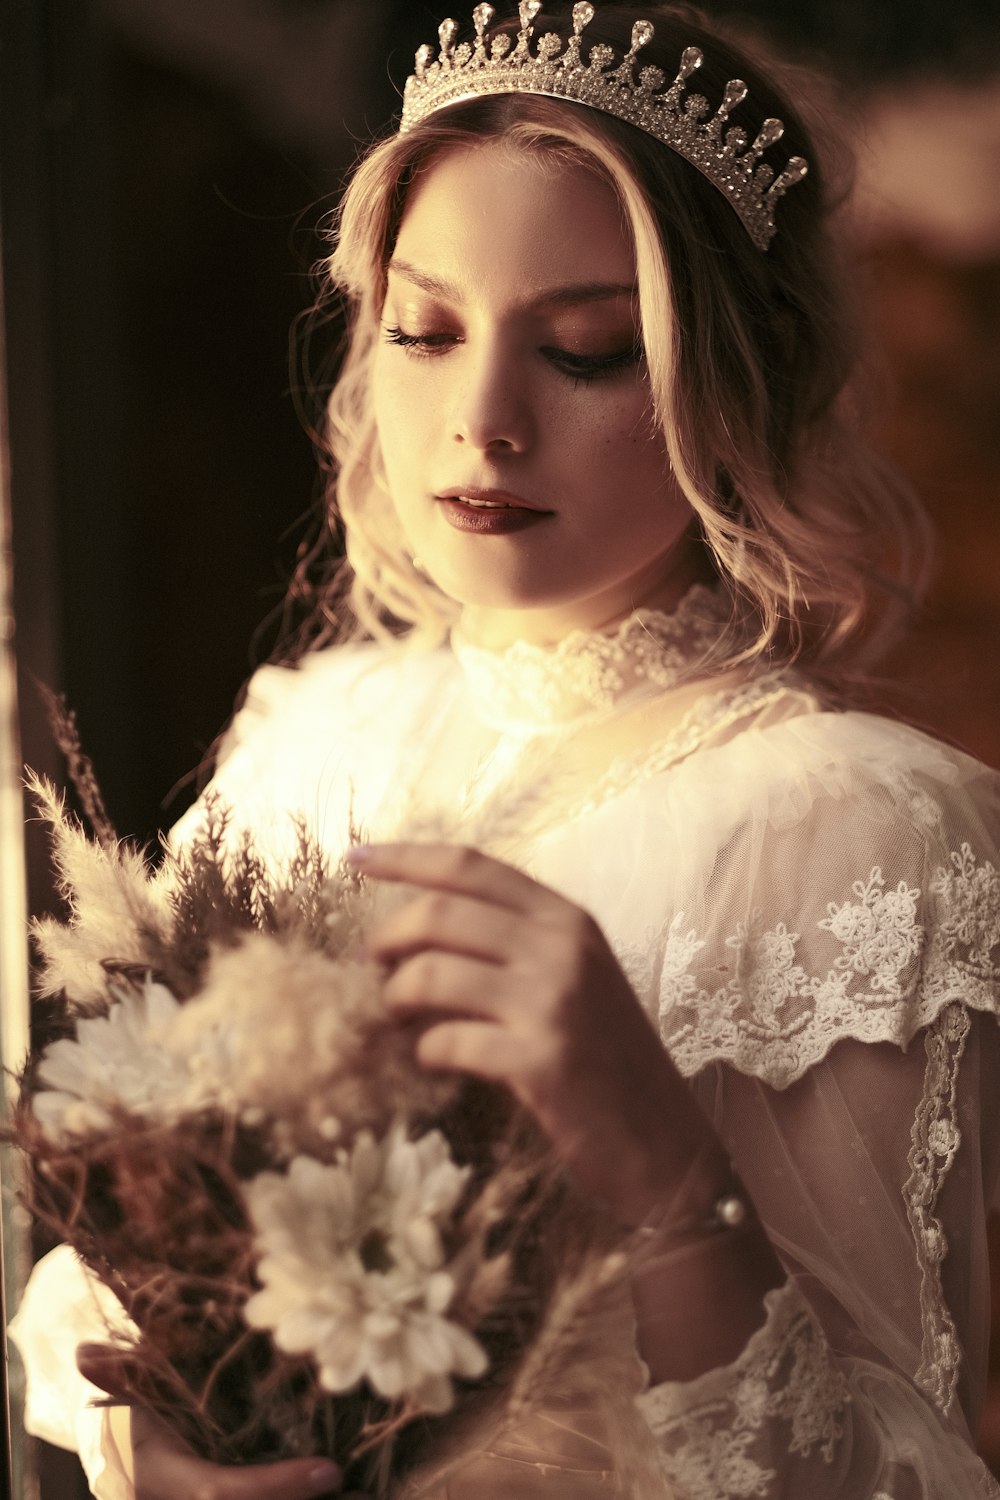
(562, 296)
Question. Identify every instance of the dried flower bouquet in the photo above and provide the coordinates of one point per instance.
(320, 1248)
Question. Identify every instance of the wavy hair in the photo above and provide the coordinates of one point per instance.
(751, 358)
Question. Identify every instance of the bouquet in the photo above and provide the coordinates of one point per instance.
(321, 1249)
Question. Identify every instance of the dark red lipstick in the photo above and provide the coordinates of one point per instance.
(489, 512)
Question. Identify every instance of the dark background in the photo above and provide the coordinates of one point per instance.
(165, 169)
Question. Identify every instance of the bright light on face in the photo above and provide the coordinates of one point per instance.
(512, 401)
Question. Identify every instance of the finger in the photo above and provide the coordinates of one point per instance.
(298, 1479)
(454, 867)
(433, 981)
(165, 1468)
(449, 923)
(108, 1368)
(472, 1047)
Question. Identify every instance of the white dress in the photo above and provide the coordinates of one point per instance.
(808, 904)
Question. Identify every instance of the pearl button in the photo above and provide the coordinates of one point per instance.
(731, 1212)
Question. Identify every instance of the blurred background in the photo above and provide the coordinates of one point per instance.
(167, 169)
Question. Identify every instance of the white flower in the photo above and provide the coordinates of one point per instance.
(118, 1060)
(353, 1267)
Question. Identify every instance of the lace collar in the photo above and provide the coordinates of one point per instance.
(533, 689)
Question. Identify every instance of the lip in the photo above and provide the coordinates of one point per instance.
(499, 512)
(493, 496)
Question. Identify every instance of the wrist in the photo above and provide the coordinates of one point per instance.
(713, 1202)
(682, 1193)
(698, 1301)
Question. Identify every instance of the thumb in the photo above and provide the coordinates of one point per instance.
(107, 1367)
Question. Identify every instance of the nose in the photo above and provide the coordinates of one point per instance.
(493, 409)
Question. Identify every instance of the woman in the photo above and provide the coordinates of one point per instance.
(592, 422)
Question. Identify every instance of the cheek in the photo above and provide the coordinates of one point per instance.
(633, 464)
(407, 406)
(385, 405)
(630, 445)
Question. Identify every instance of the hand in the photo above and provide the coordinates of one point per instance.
(514, 983)
(165, 1469)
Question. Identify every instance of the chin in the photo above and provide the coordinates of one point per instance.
(490, 592)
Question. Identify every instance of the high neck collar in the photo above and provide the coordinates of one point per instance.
(533, 689)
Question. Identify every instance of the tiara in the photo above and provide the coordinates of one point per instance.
(724, 155)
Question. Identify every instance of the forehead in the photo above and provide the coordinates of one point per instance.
(495, 222)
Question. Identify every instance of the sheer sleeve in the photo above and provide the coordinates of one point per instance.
(834, 1003)
(63, 1307)
(867, 1376)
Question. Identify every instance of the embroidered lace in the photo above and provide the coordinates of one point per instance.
(714, 1432)
(936, 1138)
(898, 957)
(539, 688)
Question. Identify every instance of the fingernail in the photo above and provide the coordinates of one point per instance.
(358, 854)
(323, 1476)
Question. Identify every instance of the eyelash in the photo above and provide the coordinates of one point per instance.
(580, 368)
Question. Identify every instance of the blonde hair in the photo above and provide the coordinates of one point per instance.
(749, 353)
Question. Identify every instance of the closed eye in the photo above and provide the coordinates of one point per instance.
(579, 367)
(419, 343)
(589, 367)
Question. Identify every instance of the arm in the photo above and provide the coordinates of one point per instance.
(516, 984)
(819, 1393)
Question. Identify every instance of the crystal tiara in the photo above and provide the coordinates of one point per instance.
(724, 155)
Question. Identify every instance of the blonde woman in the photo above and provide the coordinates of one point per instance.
(617, 553)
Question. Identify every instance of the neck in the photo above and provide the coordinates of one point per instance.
(656, 588)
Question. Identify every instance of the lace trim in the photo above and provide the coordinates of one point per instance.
(936, 1138)
(532, 688)
(892, 976)
(708, 715)
(712, 1431)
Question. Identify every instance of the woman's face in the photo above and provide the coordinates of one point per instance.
(512, 403)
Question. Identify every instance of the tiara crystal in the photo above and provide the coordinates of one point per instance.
(502, 65)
